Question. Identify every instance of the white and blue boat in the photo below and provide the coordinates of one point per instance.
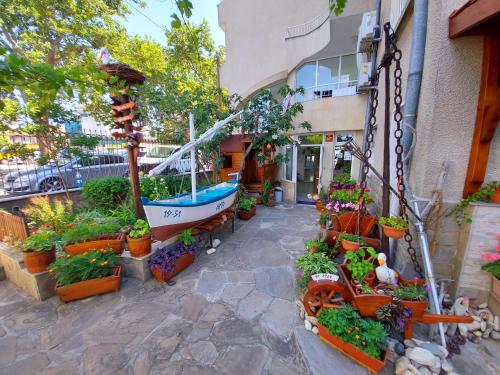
(168, 217)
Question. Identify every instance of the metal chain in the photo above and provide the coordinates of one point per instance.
(398, 134)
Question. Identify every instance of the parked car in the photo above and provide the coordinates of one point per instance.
(151, 157)
(47, 178)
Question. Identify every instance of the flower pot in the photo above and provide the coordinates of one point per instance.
(89, 288)
(38, 261)
(495, 198)
(350, 245)
(313, 249)
(139, 247)
(495, 287)
(113, 240)
(371, 363)
(319, 206)
(370, 279)
(247, 215)
(393, 232)
(182, 262)
(417, 308)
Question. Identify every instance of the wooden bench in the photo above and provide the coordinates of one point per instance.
(211, 225)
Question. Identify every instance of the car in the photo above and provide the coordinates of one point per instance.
(48, 178)
(151, 157)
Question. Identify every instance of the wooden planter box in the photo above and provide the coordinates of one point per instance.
(417, 308)
(114, 240)
(89, 288)
(184, 261)
(495, 287)
(247, 215)
(349, 350)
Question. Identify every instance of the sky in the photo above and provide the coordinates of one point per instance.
(159, 11)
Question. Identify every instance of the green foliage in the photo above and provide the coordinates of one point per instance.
(43, 240)
(396, 222)
(482, 195)
(338, 6)
(186, 237)
(411, 292)
(312, 243)
(246, 204)
(313, 263)
(90, 265)
(85, 228)
(266, 191)
(493, 268)
(352, 237)
(106, 193)
(323, 217)
(366, 289)
(346, 324)
(124, 213)
(360, 262)
(344, 178)
(140, 229)
(54, 216)
(350, 195)
(161, 187)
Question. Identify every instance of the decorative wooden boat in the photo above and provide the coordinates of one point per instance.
(169, 217)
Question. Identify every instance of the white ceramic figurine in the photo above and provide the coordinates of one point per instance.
(385, 274)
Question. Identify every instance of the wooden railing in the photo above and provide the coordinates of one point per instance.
(12, 227)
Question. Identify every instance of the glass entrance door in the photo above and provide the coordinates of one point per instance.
(308, 171)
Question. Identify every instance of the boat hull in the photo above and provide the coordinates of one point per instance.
(168, 219)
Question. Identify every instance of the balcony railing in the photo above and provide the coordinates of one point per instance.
(327, 91)
(307, 27)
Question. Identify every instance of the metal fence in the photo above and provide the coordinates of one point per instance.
(30, 165)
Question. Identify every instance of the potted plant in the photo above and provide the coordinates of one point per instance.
(167, 262)
(412, 296)
(87, 274)
(139, 239)
(267, 194)
(351, 242)
(310, 264)
(493, 267)
(363, 340)
(93, 234)
(360, 263)
(312, 245)
(39, 250)
(246, 208)
(323, 219)
(394, 226)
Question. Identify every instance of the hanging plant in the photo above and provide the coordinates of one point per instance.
(488, 193)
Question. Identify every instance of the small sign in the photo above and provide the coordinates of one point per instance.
(325, 276)
(328, 137)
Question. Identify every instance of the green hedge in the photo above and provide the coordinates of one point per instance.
(106, 193)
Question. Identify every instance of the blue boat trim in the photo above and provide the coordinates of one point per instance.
(188, 203)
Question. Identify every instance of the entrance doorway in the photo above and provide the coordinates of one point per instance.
(308, 171)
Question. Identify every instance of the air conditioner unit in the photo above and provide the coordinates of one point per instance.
(364, 76)
(366, 31)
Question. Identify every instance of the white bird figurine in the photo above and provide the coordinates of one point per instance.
(385, 274)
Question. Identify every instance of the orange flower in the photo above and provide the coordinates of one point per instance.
(104, 251)
(93, 260)
(363, 342)
(51, 270)
(68, 256)
(104, 264)
(357, 337)
(85, 253)
(70, 225)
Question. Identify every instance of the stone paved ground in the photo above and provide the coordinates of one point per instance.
(230, 312)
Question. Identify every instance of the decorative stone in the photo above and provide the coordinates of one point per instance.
(312, 319)
(452, 329)
(421, 356)
(308, 325)
(413, 370)
(462, 328)
(402, 365)
(315, 330)
(436, 369)
(476, 340)
(302, 314)
(496, 323)
(474, 326)
(216, 242)
(495, 335)
(483, 305)
(424, 371)
(447, 366)
(478, 333)
(409, 343)
(487, 333)
(435, 349)
(399, 348)
(483, 326)
(211, 251)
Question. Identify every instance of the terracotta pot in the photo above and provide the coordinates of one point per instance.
(313, 249)
(247, 215)
(184, 261)
(319, 206)
(370, 279)
(417, 308)
(393, 232)
(114, 240)
(495, 287)
(350, 245)
(38, 261)
(89, 288)
(495, 198)
(139, 247)
(371, 363)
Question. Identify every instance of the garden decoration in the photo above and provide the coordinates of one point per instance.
(384, 273)
(87, 274)
(394, 226)
(246, 208)
(139, 239)
(39, 250)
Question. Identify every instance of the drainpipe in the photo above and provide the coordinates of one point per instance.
(373, 69)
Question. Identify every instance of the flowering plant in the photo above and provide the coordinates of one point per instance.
(69, 269)
(493, 265)
(342, 181)
(165, 258)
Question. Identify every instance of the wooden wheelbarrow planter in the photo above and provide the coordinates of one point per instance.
(327, 294)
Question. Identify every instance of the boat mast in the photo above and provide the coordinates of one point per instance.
(193, 158)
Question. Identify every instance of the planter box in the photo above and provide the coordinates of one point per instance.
(184, 261)
(89, 288)
(247, 215)
(113, 240)
(495, 287)
(349, 350)
(417, 308)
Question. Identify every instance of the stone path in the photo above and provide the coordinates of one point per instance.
(231, 312)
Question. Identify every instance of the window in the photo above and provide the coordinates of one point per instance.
(289, 163)
(342, 161)
(335, 76)
(227, 162)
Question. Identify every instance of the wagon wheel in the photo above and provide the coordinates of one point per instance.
(325, 294)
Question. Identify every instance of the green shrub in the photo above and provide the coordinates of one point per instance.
(106, 193)
(266, 191)
(313, 263)
(124, 214)
(69, 269)
(186, 237)
(43, 213)
(245, 204)
(86, 229)
(140, 229)
(43, 240)
(396, 222)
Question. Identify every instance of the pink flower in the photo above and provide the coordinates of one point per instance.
(490, 257)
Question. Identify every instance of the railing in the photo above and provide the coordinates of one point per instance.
(307, 27)
(327, 91)
(12, 227)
